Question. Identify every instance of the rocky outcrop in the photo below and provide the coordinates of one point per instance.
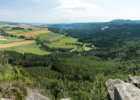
(134, 80)
(120, 90)
(126, 91)
(34, 95)
(65, 99)
(110, 84)
(31, 95)
(4, 99)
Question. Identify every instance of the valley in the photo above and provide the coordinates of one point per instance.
(74, 63)
(69, 50)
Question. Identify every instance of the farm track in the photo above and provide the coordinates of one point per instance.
(15, 44)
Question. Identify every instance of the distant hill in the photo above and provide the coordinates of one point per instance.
(116, 21)
(121, 21)
(10, 23)
(77, 25)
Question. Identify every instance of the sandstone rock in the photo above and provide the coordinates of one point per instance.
(134, 80)
(110, 84)
(34, 95)
(65, 99)
(126, 91)
(4, 99)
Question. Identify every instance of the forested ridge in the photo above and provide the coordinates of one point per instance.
(114, 39)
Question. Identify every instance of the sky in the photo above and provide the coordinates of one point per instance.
(68, 11)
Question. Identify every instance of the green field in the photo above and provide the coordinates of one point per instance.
(31, 48)
(11, 40)
(63, 42)
(54, 40)
(48, 36)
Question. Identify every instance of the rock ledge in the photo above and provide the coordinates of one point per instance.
(120, 90)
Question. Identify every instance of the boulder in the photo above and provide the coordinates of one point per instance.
(134, 80)
(65, 99)
(110, 84)
(4, 99)
(126, 91)
(34, 95)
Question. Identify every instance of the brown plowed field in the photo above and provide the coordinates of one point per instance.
(32, 34)
(15, 44)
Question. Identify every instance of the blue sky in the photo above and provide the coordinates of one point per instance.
(68, 11)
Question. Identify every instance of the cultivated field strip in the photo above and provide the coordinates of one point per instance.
(2, 39)
(32, 34)
(16, 44)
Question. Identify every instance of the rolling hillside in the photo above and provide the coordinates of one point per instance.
(36, 40)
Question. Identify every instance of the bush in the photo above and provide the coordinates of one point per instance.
(15, 90)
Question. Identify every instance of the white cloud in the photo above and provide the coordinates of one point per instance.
(74, 11)
(66, 11)
(74, 5)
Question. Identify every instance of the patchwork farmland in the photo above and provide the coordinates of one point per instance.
(51, 40)
(21, 45)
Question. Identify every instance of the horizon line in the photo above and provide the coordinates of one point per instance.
(18, 22)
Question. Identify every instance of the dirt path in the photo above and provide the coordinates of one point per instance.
(16, 44)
